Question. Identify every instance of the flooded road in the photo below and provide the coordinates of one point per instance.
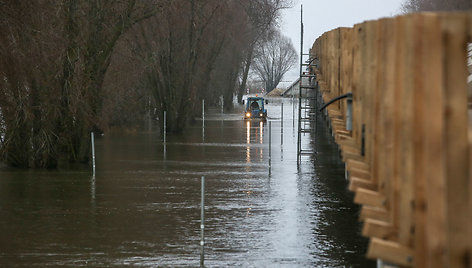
(143, 206)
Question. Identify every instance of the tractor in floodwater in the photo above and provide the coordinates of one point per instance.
(255, 108)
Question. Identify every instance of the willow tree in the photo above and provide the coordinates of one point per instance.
(52, 67)
(275, 58)
(179, 51)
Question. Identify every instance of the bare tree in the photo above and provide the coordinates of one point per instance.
(275, 58)
(262, 16)
(178, 50)
(435, 5)
(52, 68)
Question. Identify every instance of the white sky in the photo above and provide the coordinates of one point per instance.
(320, 16)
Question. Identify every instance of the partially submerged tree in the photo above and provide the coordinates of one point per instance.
(55, 80)
(178, 51)
(275, 58)
(52, 66)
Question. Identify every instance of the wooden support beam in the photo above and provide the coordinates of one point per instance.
(379, 229)
(368, 197)
(360, 173)
(390, 251)
(356, 183)
(375, 213)
(351, 163)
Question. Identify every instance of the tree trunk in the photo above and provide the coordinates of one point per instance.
(242, 87)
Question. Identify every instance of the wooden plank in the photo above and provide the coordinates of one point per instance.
(357, 164)
(435, 192)
(368, 197)
(386, 83)
(369, 90)
(390, 251)
(358, 36)
(403, 213)
(470, 193)
(455, 136)
(379, 229)
(345, 64)
(404, 159)
(375, 213)
(418, 144)
(356, 183)
(359, 173)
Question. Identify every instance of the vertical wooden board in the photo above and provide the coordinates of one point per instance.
(418, 142)
(455, 135)
(377, 93)
(369, 90)
(398, 109)
(343, 82)
(330, 64)
(361, 92)
(358, 35)
(386, 84)
(362, 96)
(470, 194)
(338, 67)
(335, 62)
(347, 64)
(435, 191)
(397, 96)
(404, 161)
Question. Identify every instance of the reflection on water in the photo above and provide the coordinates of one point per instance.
(254, 134)
(142, 207)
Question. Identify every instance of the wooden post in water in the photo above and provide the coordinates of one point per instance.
(165, 130)
(203, 119)
(270, 145)
(202, 225)
(93, 152)
(282, 124)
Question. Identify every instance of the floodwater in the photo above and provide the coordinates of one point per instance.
(143, 206)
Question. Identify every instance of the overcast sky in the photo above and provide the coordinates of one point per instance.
(320, 16)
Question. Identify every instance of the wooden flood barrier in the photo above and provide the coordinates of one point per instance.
(410, 149)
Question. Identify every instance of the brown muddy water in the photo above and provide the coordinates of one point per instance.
(143, 206)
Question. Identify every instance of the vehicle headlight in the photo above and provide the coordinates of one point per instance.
(248, 114)
(261, 114)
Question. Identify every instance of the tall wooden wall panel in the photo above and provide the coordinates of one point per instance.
(408, 76)
(455, 136)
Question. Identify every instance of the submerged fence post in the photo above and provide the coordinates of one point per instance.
(92, 136)
(222, 104)
(202, 224)
(165, 125)
(282, 125)
(203, 119)
(165, 130)
(270, 145)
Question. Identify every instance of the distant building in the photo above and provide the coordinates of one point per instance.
(294, 89)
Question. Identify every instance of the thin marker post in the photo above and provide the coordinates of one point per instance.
(203, 119)
(202, 225)
(165, 130)
(92, 136)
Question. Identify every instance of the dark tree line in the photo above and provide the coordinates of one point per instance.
(74, 66)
